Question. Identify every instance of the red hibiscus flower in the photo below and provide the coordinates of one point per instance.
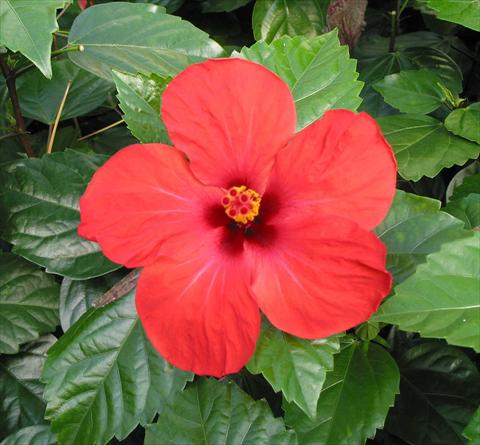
(245, 215)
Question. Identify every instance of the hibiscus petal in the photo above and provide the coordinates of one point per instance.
(198, 312)
(322, 275)
(341, 165)
(144, 202)
(231, 117)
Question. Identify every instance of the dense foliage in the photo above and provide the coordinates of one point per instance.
(83, 79)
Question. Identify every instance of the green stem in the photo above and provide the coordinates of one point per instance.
(395, 26)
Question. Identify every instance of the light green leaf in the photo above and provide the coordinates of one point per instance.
(412, 91)
(212, 412)
(28, 302)
(31, 435)
(423, 146)
(76, 297)
(463, 12)
(273, 19)
(466, 209)
(439, 392)
(472, 430)
(413, 228)
(140, 99)
(40, 98)
(465, 122)
(442, 298)
(294, 366)
(318, 71)
(41, 213)
(27, 26)
(103, 377)
(137, 38)
(354, 400)
(21, 402)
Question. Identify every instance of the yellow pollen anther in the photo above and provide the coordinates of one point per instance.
(241, 204)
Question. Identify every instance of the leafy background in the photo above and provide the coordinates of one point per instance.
(79, 84)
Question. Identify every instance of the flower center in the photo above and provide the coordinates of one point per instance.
(241, 204)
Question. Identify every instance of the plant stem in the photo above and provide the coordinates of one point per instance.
(57, 118)
(101, 130)
(12, 91)
(123, 287)
(395, 27)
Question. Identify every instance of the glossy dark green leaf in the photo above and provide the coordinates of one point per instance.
(40, 204)
(136, 38)
(413, 228)
(76, 297)
(412, 91)
(472, 430)
(465, 122)
(318, 71)
(439, 392)
(27, 26)
(213, 412)
(103, 377)
(40, 98)
(442, 298)
(28, 302)
(140, 99)
(275, 18)
(21, 402)
(294, 366)
(31, 435)
(463, 12)
(423, 146)
(354, 400)
(466, 209)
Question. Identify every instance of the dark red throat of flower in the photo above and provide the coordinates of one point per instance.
(241, 204)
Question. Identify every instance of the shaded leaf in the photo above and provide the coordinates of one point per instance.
(40, 204)
(222, 5)
(103, 377)
(27, 26)
(21, 402)
(28, 302)
(318, 71)
(441, 299)
(466, 209)
(31, 435)
(413, 228)
(140, 99)
(423, 146)
(354, 400)
(465, 122)
(212, 412)
(137, 38)
(40, 98)
(294, 366)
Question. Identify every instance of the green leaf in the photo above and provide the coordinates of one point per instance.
(137, 38)
(222, 5)
(354, 400)
(40, 98)
(103, 377)
(466, 209)
(273, 19)
(140, 100)
(413, 228)
(472, 430)
(412, 91)
(464, 122)
(441, 298)
(76, 297)
(318, 71)
(28, 302)
(465, 181)
(40, 204)
(21, 402)
(439, 392)
(294, 366)
(463, 12)
(212, 412)
(27, 26)
(423, 146)
(31, 435)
